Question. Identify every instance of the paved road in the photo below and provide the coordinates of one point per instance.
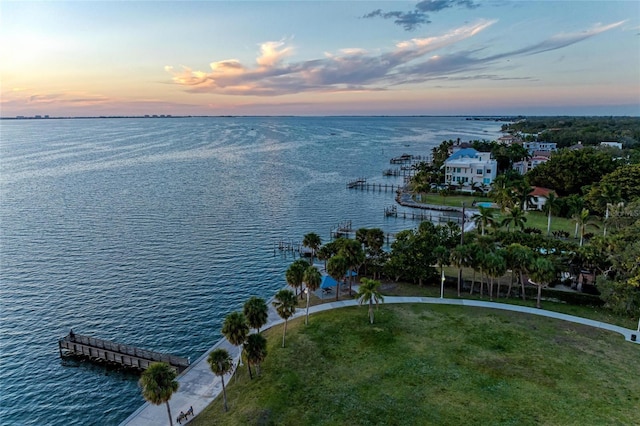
(199, 386)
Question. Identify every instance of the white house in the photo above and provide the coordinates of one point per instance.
(612, 144)
(467, 167)
(524, 166)
(540, 196)
(532, 147)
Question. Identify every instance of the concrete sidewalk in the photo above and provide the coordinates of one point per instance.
(199, 386)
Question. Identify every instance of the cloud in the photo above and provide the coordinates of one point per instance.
(411, 61)
(420, 15)
(558, 41)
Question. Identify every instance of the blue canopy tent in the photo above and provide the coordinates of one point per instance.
(351, 273)
(327, 282)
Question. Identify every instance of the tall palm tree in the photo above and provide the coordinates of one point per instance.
(256, 312)
(496, 267)
(518, 257)
(221, 363)
(550, 207)
(285, 304)
(368, 292)
(336, 268)
(294, 274)
(483, 218)
(236, 330)
(158, 383)
(353, 253)
(324, 254)
(522, 195)
(583, 221)
(542, 271)
(255, 351)
(461, 258)
(312, 279)
(516, 217)
(443, 258)
(312, 241)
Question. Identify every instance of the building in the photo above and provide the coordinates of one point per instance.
(611, 144)
(536, 147)
(509, 139)
(468, 167)
(529, 164)
(540, 196)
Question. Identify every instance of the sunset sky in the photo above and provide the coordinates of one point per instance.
(433, 57)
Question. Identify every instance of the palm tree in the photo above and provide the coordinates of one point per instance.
(336, 268)
(542, 272)
(584, 220)
(221, 363)
(294, 274)
(353, 253)
(443, 256)
(256, 312)
(522, 195)
(550, 206)
(236, 330)
(158, 383)
(460, 257)
(312, 241)
(312, 279)
(501, 193)
(324, 253)
(515, 216)
(368, 293)
(483, 218)
(518, 257)
(255, 351)
(496, 267)
(285, 304)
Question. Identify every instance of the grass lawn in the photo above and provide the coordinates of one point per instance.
(431, 364)
(451, 200)
(535, 219)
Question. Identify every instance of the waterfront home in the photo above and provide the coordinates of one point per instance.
(468, 167)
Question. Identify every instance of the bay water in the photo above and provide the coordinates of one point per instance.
(149, 231)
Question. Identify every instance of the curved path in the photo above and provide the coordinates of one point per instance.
(199, 386)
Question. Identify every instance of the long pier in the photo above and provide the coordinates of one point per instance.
(362, 185)
(421, 215)
(98, 350)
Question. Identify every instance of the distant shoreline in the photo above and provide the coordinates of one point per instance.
(164, 116)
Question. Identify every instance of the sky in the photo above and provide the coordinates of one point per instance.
(429, 57)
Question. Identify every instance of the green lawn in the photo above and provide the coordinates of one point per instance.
(429, 364)
(451, 200)
(535, 219)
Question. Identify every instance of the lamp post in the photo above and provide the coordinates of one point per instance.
(442, 286)
(306, 320)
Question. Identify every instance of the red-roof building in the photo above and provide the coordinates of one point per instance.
(540, 196)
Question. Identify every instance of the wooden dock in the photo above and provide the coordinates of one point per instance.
(105, 351)
(421, 215)
(362, 185)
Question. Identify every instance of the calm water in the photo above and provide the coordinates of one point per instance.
(149, 231)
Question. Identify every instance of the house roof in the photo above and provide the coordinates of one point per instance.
(466, 152)
(539, 191)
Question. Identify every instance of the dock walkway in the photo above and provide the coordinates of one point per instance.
(99, 350)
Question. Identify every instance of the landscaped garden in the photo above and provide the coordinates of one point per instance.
(426, 364)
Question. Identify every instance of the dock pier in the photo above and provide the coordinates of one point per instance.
(105, 351)
(362, 185)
